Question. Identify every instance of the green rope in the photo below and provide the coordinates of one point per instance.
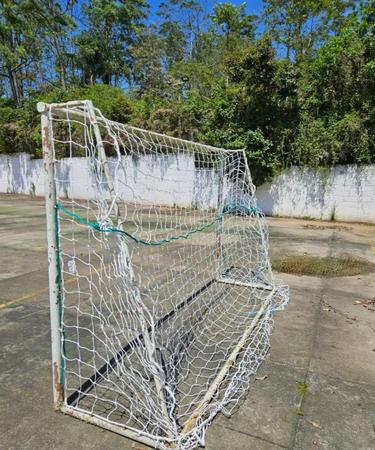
(59, 295)
(96, 226)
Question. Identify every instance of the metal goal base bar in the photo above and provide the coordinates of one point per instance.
(227, 280)
(139, 436)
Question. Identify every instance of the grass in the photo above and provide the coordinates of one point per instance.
(302, 391)
(321, 267)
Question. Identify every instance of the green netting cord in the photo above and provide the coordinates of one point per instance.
(59, 296)
(237, 207)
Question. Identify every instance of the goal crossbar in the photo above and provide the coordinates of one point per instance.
(63, 111)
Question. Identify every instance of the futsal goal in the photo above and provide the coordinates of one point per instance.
(161, 290)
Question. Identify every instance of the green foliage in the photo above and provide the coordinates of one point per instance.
(300, 26)
(24, 25)
(110, 100)
(300, 93)
(15, 130)
(315, 144)
(337, 104)
(19, 127)
(261, 158)
(103, 48)
(235, 25)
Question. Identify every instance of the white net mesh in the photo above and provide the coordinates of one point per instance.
(167, 293)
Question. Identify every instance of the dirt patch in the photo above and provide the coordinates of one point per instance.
(321, 267)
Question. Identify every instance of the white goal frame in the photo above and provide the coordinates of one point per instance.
(63, 403)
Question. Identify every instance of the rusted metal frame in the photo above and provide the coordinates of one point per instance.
(54, 272)
(44, 107)
(55, 314)
(62, 110)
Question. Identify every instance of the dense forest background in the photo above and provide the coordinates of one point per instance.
(294, 85)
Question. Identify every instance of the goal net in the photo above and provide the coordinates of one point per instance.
(161, 290)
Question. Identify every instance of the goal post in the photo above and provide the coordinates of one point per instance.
(161, 289)
(53, 258)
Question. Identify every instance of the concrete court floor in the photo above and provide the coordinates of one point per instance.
(324, 339)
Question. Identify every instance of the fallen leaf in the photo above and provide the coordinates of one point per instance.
(314, 424)
(261, 378)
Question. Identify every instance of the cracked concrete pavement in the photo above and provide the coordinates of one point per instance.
(324, 339)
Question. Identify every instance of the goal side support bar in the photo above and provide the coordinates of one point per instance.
(131, 433)
(226, 280)
(53, 275)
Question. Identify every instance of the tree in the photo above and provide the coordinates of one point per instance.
(55, 35)
(254, 68)
(147, 55)
(104, 46)
(302, 25)
(336, 95)
(25, 28)
(182, 26)
(235, 25)
(174, 41)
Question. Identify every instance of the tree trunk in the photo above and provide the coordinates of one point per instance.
(60, 62)
(15, 85)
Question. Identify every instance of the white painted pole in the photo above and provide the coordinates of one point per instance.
(220, 205)
(54, 295)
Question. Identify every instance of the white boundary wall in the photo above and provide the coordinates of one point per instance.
(165, 181)
(344, 193)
